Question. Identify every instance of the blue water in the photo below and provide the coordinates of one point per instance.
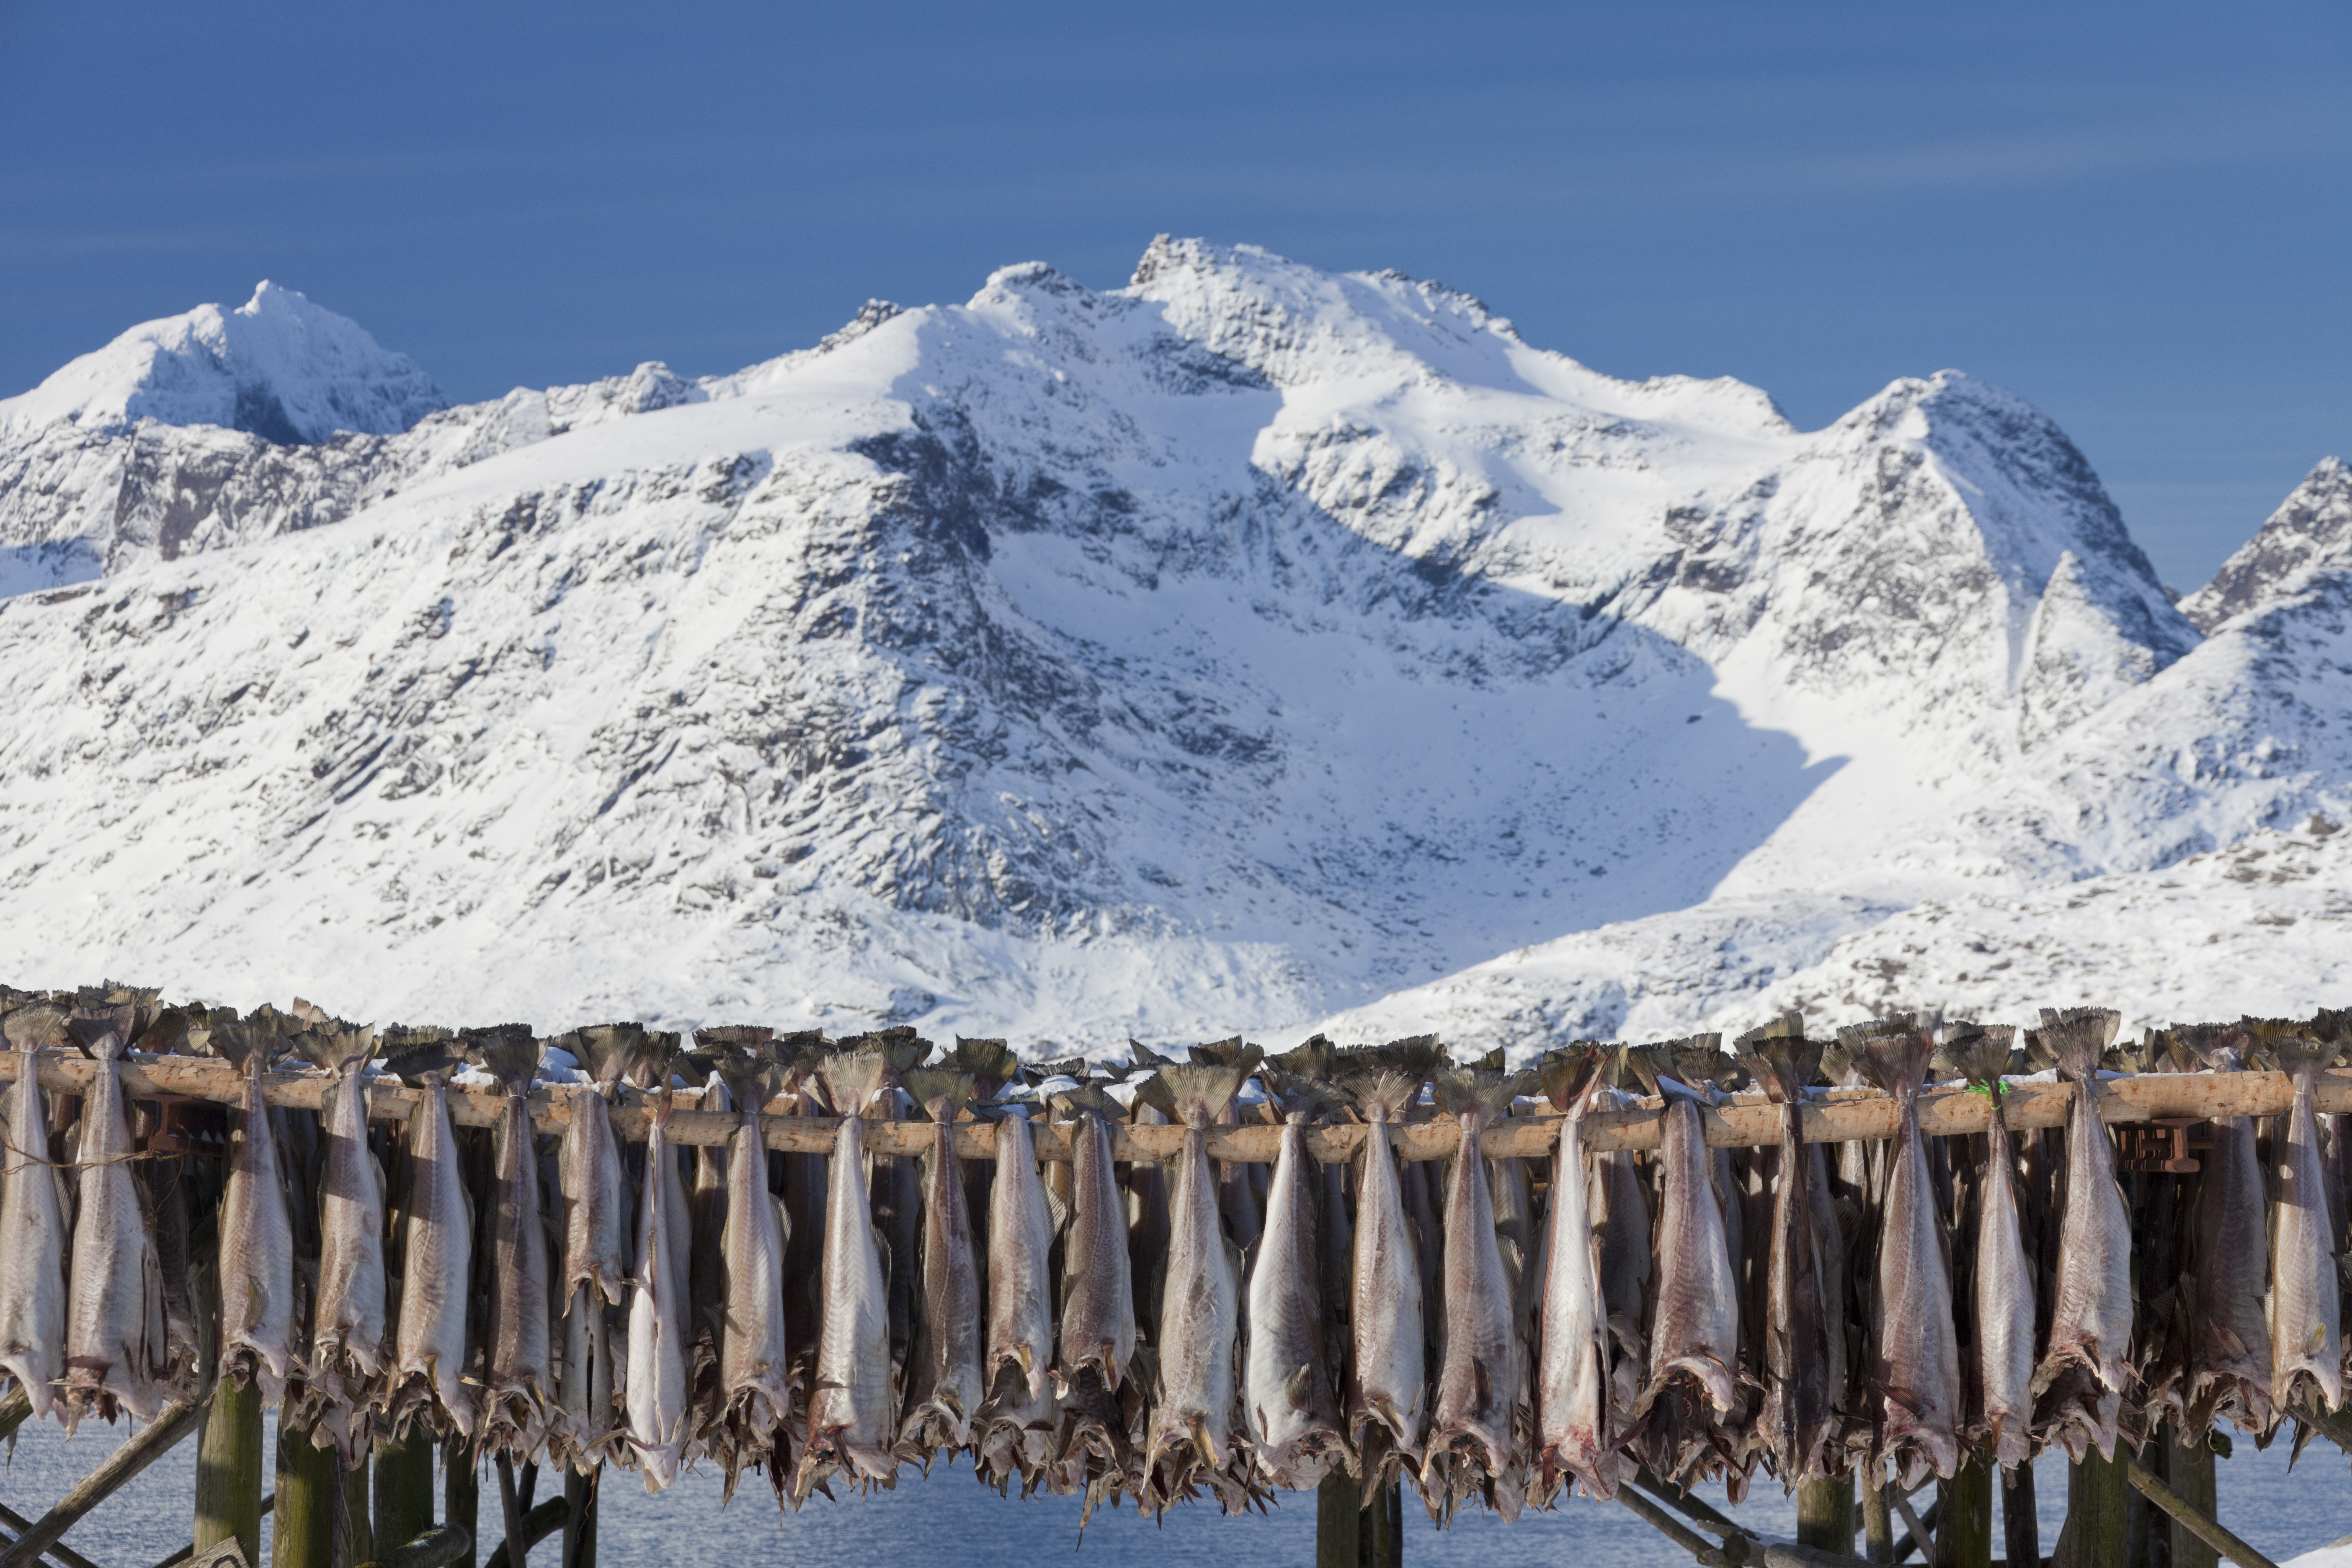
(952, 1522)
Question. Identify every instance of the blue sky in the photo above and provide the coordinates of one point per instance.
(2136, 217)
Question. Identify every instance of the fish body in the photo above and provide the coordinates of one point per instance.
(2091, 1313)
(853, 1405)
(1147, 1230)
(1695, 1332)
(1620, 1202)
(656, 1391)
(755, 1379)
(436, 1267)
(1097, 1289)
(1018, 1420)
(351, 1329)
(1914, 1353)
(519, 1379)
(114, 1341)
(2305, 1310)
(2229, 1263)
(257, 1239)
(32, 1243)
(1802, 1340)
(1475, 1445)
(1294, 1418)
(2004, 1303)
(1574, 1435)
(1190, 1431)
(595, 1185)
(947, 1382)
(1387, 1383)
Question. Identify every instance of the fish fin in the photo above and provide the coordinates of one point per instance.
(2319, 1340)
(2077, 1037)
(510, 1052)
(1568, 1076)
(1299, 1388)
(1892, 1053)
(1482, 1382)
(1196, 1092)
(937, 1090)
(1977, 1052)
(855, 1079)
(1459, 1090)
(605, 1049)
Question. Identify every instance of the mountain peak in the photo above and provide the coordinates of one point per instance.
(277, 366)
(2310, 533)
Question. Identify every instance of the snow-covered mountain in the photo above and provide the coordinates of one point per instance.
(1248, 647)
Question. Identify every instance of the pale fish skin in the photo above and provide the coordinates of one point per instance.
(2229, 1334)
(1573, 1430)
(1386, 1384)
(1696, 1331)
(1099, 1302)
(2091, 1317)
(1286, 1388)
(2305, 1312)
(348, 1343)
(521, 1372)
(1020, 1418)
(114, 1338)
(949, 1336)
(257, 1252)
(1482, 1382)
(852, 1405)
(754, 1361)
(2004, 1303)
(1190, 1430)
(1916, 1355)
(32, 1245)
(1620, 1220)
(656, 1390)
(437, 1269)
(1800, 1362)
(596, 1193)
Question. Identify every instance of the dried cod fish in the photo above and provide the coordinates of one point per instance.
(351, 1327)
(1189, 1437)
(1098, 1335)
(657, 1392)
(2305, 1308)
(853, 1405)
(32, 1220)
(2230, 1332)
(1386, 1369)
(430, 1345)
(945, 1384)
(1620, 1201)
(257, 1234)
(518, 1381)
(1294, 1416)
(1479, 1427)
(2002, 1407)
(2091, 1315)
(1576, 1435)
(114, 1343)
(1019, 1420)
(595, 1187)
(755, 1381)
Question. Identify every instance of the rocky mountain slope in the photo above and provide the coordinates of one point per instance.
(1247, 646)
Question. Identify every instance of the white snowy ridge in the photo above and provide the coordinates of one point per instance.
(1251, 648)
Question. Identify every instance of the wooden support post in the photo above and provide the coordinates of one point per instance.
(580, 1524)
(540, 1523)
(2191, 1473)
(437, 1548)
(1964, 1519)
(58, 1550)
(14, 1410)
(302, 1526)
(355, 1539)
(403, 1485)
(158, 1436)
(2179, 1508)
(1381, 1530)
(2021, 1524)
(2093, 1536)
(517, 1545)
(1674, 1528)
(461, 1497)
(1336, 1518)
(229, 1469)
(1877, 1517)
(1825, 1514)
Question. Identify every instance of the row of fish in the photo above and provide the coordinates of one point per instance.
(1491, 1330)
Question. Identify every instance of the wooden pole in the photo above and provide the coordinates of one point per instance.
(57, 1549)
(437, 1548)
(1381, 1530)
(2191, 1473)
(540, 1523)
(2020, 1523)
(14, 1410)
(1674, 1528)
(1877, 1517)
(358, 1540)
(516, 1546)
(2093, 1536)
(403, 1485)
(580, 1524)
(229, 1470)
(1337, 1516)
(1964, 1519)
(302, 1526)
(461, 1496)
(1825, 1514)
(2179, 1508)
(158, 1436)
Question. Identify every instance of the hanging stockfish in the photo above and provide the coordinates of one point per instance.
(656, 1390)
(2001, 1376)
(32, 1219)
(706, 1203)
(945, 1384)
(1482, 1420)
(1914, 1353)
(168, 1180)
(993, 1065)
(897, 1200)
(1386, 1366)
(1018, 1420)
(1147, 1188)
(349, 1325)
(1692, 1396)
(1097, 1458)
(519, 1380)
(1294, 1416)
(2305, 1339)
(1802, 1327)
(1620, 1202)
(1240, 1202)
(1190, 1439)
(595, 1187)
(428, 1370)
(257, 1234)
(804, 1202)
(2091, 1314)
(854, 1403)
(755, 1383)
(115, 1347)
(1577, 1432)
(2227, 1285)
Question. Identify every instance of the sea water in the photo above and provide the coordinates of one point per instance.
(952, 1521)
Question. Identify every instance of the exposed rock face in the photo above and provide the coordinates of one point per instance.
(2311, 533)
(1243, 645)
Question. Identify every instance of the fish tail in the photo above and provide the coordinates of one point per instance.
(855, 1079)
(1977, 1052)
(1892, 1053)
(606, 1049)
(510, 1051)
(751, 1075)
(939, 1089)
(2077, 1037)
(1460, 1091)
(1780, 1057)
(1197, 1092)
(1385, 1095)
